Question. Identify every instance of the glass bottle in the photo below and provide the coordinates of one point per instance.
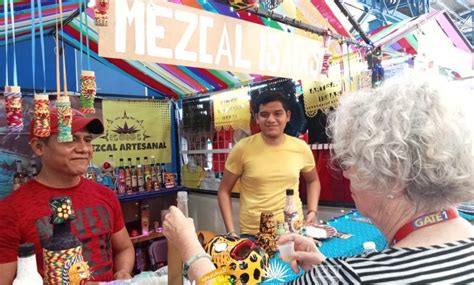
(154, 174)
(18, 176)
(91, 173)
(133, 171)
(140, 176)
(291, 213)
(121, 180)
(26, 270)
(114, 173)
(183, 202)
(128, 177)
(147, 175)
(33, 169)
(63, 251)
(163, 175)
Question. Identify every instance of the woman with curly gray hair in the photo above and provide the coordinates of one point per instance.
(407, 149)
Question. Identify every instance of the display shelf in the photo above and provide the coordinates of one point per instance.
(150, 236)
(149, 195)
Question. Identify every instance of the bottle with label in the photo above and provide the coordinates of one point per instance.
(18, 177)
(159, 174)
(291, 213)
(154, 176)
(369, 247)
(128, 177)
(147, 175)
(62, 252)
(33, 169)
(91, 173)
(140, 176)
(26, 270)
(121, 181)
(162, 175)
(133, 170)
(114, 173)
(145, 218)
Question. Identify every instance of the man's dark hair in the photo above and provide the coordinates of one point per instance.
(267, 97)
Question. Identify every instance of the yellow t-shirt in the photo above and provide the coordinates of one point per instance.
(266, 172)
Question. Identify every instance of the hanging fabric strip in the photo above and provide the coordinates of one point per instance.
(5, 20)
(88, 91)
(13, 108)
(87, 39)
(80, 31)
(12, 16)
(41, 116)
(349, 67)
(63, 103)
(40, 16)
(33, 44)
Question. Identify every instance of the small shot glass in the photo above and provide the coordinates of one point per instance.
(286, 250)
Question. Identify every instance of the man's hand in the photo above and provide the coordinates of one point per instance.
(122, 275)
(311, 218)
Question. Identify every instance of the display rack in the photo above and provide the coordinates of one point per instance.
(139, 196)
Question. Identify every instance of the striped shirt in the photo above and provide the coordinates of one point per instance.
(447, 263)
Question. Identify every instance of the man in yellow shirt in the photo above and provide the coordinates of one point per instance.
(267, 164)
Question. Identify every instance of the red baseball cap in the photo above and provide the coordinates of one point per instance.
(79, 121)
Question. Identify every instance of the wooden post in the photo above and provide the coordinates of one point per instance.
(175, 265)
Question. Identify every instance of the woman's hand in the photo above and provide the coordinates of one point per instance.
(306, 253)
(180, 230)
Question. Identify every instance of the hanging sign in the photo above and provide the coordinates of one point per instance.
(321, 95)
(232, 109)
(164, 32)
(134, 129)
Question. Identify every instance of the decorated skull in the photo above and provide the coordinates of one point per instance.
(246, 263)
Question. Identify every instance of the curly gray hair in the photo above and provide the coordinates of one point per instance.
(410, 134)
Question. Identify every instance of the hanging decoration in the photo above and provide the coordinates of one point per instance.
(13, 101)
(13, 106)
(41, 116)
(100, 13)
(63, 103)
(271, 4)
(327, 55)
(243, 4)
(88, 91)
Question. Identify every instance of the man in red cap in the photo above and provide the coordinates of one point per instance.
(99, 225)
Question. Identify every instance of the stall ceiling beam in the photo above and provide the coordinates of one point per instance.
(296, 23)
(352, 21)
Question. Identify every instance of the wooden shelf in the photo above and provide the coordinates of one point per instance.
(138, 196)
(152, 235)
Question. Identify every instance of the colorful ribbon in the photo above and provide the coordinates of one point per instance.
(64, 119)
(88, 91)
(13, 107)
(41, 116)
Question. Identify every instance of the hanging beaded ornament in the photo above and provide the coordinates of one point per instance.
(64, 119)
(88, 91)
(13, 108)
(100, 13)
(41, 116)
